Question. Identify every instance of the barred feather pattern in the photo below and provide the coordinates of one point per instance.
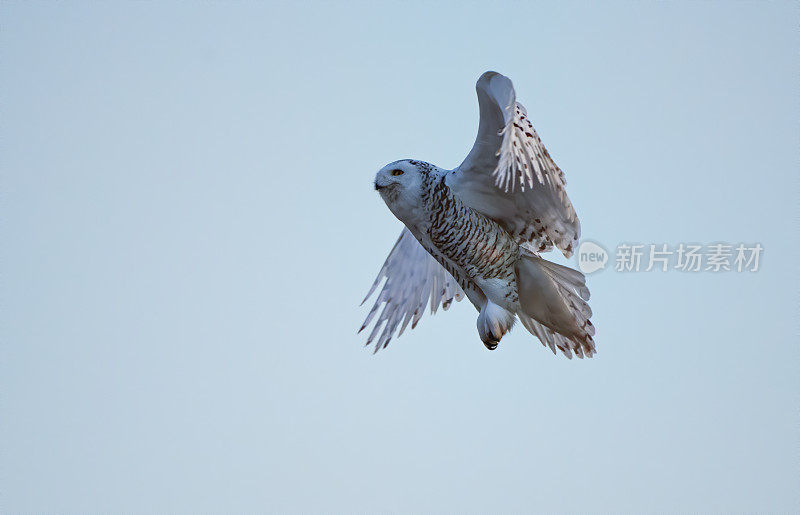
(466, 243)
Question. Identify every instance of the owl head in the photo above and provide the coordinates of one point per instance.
(400, 185)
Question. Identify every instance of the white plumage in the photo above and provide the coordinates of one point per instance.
(413, 277)
(478, 231)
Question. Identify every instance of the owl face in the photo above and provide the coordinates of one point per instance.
(398, 174)
(399, 185)
(398, 178)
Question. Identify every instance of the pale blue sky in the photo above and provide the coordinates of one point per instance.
(189, 226)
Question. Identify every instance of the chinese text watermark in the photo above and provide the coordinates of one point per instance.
(684, 257)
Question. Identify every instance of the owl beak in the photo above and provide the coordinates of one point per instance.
(378, 187)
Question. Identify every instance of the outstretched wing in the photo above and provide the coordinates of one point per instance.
(413, 277)
(509, 175)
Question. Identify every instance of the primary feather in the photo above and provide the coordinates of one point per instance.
(413, 278)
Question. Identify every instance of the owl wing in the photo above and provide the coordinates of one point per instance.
(413, 277)
(509, 175)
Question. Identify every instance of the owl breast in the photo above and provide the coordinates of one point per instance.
(471, 246)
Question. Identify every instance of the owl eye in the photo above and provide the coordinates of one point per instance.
(395, 173)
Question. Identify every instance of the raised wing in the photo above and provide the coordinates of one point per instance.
(509, 175)
(413, 277)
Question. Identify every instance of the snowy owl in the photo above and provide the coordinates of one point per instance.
(479, 230)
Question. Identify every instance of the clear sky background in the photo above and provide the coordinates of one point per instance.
(189, 225)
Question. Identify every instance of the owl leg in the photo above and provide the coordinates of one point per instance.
(493, 322)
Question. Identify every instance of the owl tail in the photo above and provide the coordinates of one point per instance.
(553, 305)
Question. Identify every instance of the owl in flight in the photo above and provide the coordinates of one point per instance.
(480, 230)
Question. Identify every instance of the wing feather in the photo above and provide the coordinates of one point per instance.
(413, 278)
(509, 174)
